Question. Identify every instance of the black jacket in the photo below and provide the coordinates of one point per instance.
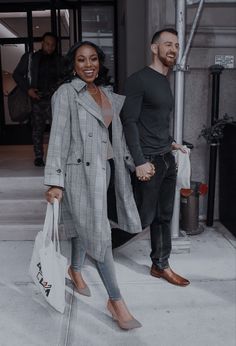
(20, 74)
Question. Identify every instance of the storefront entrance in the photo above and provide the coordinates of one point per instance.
(21, 29)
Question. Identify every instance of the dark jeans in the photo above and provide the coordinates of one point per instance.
(155, 201)
(41, 112)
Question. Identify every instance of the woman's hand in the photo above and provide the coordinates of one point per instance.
(54, 192)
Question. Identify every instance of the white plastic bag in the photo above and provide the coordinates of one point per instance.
(48, 266)
(183, 168)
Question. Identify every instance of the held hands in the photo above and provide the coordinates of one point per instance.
(176, 146)
(145, 172)
(54, 192)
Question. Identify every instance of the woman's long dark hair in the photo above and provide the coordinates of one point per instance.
(102, 79)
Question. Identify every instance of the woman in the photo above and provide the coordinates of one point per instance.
(78, 170)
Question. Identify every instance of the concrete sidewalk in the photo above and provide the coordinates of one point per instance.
(202, 314)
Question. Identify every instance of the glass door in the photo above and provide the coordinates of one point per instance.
(13, 44)
(21, 32)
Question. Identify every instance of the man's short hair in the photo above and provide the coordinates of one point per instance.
(157, 34)
(49, 33)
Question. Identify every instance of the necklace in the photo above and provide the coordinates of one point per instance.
(93, 91)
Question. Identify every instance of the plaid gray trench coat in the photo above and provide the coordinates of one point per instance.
(77, 161)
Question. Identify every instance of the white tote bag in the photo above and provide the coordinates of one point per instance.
(48, 266)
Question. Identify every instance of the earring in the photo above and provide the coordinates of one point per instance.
(96, 76)
(74, 73)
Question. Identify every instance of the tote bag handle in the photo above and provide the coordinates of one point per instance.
(50, 227)
(55, 234)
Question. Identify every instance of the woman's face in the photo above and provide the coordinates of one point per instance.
(86, 63)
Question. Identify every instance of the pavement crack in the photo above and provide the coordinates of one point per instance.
(66, 320)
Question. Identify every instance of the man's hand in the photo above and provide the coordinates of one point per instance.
(145, 172)
(33, 93)
(54, 192)
(176, 146)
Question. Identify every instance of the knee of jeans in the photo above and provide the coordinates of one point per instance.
(146, 220)
(166, 215)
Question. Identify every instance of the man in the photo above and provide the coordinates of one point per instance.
(146, 121)
(44, 75)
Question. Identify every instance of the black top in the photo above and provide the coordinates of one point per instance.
(47, 73)
(146, 114)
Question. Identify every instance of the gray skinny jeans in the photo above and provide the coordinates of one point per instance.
(105, 269)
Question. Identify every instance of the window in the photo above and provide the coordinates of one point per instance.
(98, 27)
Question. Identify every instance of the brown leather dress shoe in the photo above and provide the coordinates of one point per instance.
(169, 276)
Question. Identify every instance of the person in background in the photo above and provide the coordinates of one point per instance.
(45, 71)
(86, 143)
(146, 121)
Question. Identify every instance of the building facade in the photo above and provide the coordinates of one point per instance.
(124, 28)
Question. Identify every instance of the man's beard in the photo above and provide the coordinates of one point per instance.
(167, 62)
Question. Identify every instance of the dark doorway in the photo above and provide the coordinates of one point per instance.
(22, 25)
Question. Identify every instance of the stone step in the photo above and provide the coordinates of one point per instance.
(22, 207)
(20, 232)
(23, 232)
(26, 211)
(22, 200)
(22, 188)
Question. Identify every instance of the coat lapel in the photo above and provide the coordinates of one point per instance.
(86, 100)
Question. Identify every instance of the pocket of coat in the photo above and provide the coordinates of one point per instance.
(129, 162)
(74, 159)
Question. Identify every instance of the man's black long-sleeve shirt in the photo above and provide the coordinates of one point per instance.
(146, 114)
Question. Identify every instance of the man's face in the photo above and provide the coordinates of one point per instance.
(167, 49)
(48, 45)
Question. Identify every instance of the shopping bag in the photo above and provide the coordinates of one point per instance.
(19, 105)
(182, 161)
(48, 265)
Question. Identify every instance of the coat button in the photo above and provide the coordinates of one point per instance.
(90, 134)
(58, 170)
(127, 157)
(79, 160)
(87, 163)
